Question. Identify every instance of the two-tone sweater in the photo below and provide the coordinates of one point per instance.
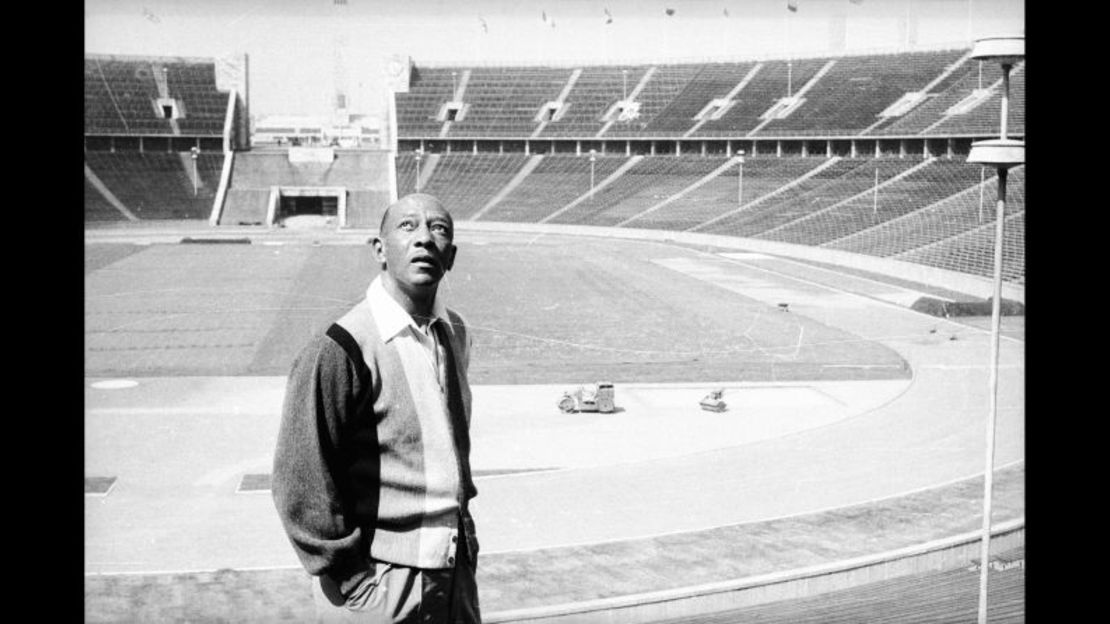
(368, 460)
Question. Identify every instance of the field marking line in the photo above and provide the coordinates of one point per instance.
(848, 292)
(869, 501)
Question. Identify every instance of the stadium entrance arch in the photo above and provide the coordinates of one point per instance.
(307, 205)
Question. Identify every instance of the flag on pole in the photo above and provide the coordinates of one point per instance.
(670, 11)
(792, 6)
(608, 16)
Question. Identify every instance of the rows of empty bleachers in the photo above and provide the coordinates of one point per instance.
(774, 80)
(850, 96)
(97, 208)
(932, 116)
(953, 215)
(159, 185)
(895, 195)
(205, 105)
(504, 102)
(555, 182)
(934, 596)
(429, 89)
(465, 182)
(759, 178)
(596, 89)
(835, 181)
(973, 251)
(645, 184)
(846, 100)
(713, 80)
(122, 94)
(120, 97)
(658, 92)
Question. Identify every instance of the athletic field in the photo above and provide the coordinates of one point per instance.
(840, 397)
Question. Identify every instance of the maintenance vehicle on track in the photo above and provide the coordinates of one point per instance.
(595, 398)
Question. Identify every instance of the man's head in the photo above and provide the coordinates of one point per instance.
(414, 245)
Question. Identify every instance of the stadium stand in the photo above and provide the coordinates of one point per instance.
(928, 207)
(665, 84)
(775, 80)
(596, 89)
(504, 102)
(120, 97)
(984, 118)
(417, 110)
(159, 185)
(466, 182)
(837, 181)
(648, 182)
(929, 116)
(97, 208)
(554, 183)
(948, 217)
(713, 80)
(919, 187)
(762, 176)
(973, 251)
(851, 95)
(195, 85)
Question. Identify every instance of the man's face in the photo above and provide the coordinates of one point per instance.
(415, 243)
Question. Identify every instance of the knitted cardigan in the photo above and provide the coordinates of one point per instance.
(365, 464)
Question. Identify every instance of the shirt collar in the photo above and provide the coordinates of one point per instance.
(390, 317)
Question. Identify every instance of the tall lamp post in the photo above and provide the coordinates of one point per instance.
(740, 179)
(194, 152)
(593, 159)
(1001, 153)
(419, 157)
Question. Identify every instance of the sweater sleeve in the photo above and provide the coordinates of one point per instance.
(309, 487)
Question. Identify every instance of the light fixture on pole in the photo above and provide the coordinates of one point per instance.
(1002, 153)
(194, 152)
(624, 74)
(419, 156)
(593, 159)
(740, 179)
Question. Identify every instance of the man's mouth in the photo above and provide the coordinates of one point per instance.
(426, 261)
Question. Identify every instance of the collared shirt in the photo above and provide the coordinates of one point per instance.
(392, 320)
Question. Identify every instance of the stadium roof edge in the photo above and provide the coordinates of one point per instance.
(942, 47)
(151, 58)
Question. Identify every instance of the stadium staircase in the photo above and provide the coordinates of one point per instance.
(255, 176)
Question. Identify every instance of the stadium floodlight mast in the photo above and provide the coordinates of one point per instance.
(194, 152)
(1001, 153)
(624, 74)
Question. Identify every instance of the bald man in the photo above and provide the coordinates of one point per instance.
(371, 473)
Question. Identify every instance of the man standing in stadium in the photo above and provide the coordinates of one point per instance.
(372, 467)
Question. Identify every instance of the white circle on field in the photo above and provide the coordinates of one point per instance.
(114, 384)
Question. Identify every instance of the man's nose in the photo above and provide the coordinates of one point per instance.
(422, 235)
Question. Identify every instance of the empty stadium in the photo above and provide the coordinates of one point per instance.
(804, 232)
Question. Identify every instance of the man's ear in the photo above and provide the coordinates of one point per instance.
(378, 247)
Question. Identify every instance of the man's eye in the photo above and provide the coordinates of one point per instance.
(441, 228)
(406, 225)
